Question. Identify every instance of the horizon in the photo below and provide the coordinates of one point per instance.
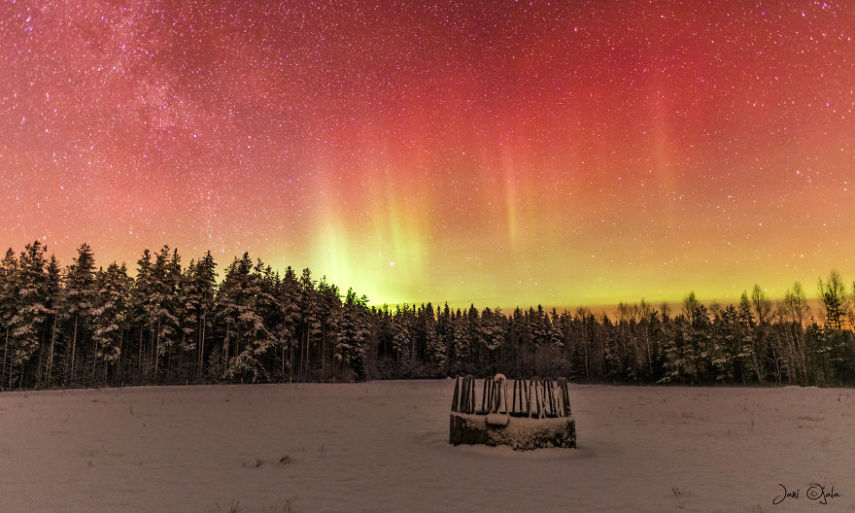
(814, 301)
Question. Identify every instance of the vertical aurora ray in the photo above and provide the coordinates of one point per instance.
(509, 187)
(372, 236)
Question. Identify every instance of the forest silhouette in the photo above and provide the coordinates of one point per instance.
(82, 326)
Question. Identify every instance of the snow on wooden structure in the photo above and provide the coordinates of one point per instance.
(538, 415)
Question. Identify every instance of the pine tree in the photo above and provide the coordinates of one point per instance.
(28, 322)
(165, 278)
(247, 339)
(288, 299)
(227, 314)
(402, 337)
(832, 292)
(55, 298)
(351, 345)
(725, 344)
(460, 344)
(556, 339)
(329, 309)
(310, 320)
(79, 298)
(434, 346)
(141, 299)
(8, 309)
(270, 310)
(110, 313)
(204, 291)
(491, 330)
(748, 352)
(188, 312)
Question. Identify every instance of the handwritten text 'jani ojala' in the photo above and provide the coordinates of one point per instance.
(815, 492)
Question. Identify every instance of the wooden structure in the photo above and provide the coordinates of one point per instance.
(537, 414)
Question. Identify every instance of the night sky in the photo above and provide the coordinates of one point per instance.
(494, 152)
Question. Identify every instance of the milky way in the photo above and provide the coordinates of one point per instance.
(497, 152)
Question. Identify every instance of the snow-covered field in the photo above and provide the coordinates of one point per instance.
(382, 446)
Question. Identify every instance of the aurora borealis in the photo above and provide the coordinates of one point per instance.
(495, 152)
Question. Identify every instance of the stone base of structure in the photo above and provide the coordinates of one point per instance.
(521, 433)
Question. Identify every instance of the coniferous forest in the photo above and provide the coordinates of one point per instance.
(169, 323)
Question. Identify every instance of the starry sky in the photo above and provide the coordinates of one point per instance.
(498, 152)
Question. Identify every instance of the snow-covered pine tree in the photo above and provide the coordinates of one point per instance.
(164, 278)
(188, 314)
(352, 342)
(492, 331)
(445, 331)
(28, 322)
(310, 321)
(288, 299)
(110, 313)
(555, 334)
(205, 281)
(8, 307)
(402, 338)
(330, 316)
(247, 339)
(538, 326)
(141, 294)
(724, 344)
(677, 363)
(556, 340)
(492, 336)
(476, 344)
(267, 306)
(436, 352)
(79, 297)
(458, 348)
(692, 338)
(226, 312)
(748, 348)
(55, 299)
(173, 341)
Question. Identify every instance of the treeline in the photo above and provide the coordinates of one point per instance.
(170, 324)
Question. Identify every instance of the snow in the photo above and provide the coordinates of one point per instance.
(383, 446)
